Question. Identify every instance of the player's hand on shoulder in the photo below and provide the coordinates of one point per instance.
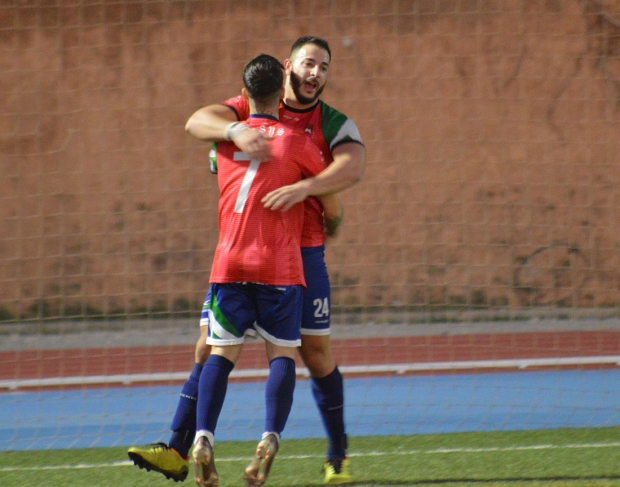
(255, 144)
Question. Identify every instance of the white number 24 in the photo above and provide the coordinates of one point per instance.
(321, 307)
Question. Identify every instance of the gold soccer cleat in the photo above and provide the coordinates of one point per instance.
(204, 464)
(257, 471)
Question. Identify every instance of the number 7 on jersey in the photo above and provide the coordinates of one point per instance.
(248, 179)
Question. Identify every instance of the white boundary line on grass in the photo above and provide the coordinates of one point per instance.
(439, 451)
(351, 369)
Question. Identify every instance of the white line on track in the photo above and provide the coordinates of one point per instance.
(438, 451)
(351, 369)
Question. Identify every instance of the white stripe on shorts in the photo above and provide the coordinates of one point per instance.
(277, 341)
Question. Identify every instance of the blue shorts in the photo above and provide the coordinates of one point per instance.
(316, 309)
(231, 310)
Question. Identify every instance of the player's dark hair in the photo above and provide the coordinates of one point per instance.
(263, 78)
(316, 41)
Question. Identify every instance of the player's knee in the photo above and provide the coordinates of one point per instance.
(202, 350)
(316, 355)
(315, 345)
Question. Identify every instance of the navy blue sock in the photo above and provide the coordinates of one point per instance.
(328, 393)
(279, 393)
(212, 391)
(184, 423)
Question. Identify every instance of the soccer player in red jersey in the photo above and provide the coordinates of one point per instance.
(341, 143)
(257, 277)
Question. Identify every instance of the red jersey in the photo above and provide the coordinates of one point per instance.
(257, 244)
(328, 128)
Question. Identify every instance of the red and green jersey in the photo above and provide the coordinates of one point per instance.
(328, 128)
(257, 244)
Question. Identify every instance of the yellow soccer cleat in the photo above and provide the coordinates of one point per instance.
(160, 458)
(337, 472)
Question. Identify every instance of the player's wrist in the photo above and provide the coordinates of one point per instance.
(233, 129)
(305, 186)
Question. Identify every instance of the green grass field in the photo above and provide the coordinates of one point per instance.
(579, 458)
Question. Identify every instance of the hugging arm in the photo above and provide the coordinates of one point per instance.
(346, 169)
(213, 124)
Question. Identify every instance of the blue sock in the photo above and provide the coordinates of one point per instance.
(184, 423)
(212, 391)
(328, 393)
(279, 393)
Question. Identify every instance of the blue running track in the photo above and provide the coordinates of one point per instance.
(374, 406)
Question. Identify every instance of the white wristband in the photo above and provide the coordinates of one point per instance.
(233, 128)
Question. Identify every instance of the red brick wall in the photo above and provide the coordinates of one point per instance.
(491, 128)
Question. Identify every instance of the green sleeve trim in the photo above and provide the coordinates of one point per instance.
(337, 127)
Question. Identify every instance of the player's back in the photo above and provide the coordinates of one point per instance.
(258, 244)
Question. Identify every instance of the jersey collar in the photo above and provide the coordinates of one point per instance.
(263, 115)
(300, 110)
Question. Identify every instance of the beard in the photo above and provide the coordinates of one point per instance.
(296, 83)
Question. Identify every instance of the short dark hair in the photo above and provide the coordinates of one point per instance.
(263, 78)
(317, 41)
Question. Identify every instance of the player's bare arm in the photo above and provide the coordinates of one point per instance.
(213, 123)
(210, 123)
(346, 169)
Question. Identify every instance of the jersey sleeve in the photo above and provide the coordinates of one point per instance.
(240, 106)
(338, 128)
(348, 133)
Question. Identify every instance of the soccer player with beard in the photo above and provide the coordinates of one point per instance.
(338, 137)
(257, 276)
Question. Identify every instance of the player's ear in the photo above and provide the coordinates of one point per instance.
(288, 65)
(244, 94)
(282, 94)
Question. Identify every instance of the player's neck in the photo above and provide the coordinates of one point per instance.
(272, 110)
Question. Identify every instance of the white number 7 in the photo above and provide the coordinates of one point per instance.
(248, 179)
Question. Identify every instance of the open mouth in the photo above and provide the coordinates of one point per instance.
(310, 86)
